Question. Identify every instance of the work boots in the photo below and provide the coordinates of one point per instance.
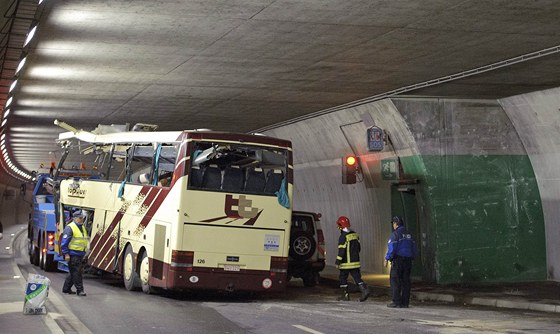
(344, 296)
(365, 292)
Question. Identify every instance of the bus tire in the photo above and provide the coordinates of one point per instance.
(145, 274)
(130, 276)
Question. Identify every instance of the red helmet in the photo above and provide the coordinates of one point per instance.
(343, 222)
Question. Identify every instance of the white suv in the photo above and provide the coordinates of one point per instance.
(307, 247)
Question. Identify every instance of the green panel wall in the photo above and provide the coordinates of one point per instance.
(480, 216)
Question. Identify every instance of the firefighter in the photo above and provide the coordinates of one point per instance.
(74, 245)
(348, 259)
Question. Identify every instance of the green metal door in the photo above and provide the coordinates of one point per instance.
(403, 203)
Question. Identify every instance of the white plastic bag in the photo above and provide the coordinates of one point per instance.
(36, 293)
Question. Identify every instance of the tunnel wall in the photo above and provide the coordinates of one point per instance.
(15, 205)
(485, 221)
(537, 116)
(479, 214)
(318, 144)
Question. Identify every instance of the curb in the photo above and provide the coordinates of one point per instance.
(491, 302)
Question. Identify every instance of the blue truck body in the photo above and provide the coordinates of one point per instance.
(43, 243)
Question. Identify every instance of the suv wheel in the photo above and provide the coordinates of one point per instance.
(302, 246)
(310, 278)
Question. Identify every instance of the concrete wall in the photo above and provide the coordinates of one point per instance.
(319, 144)
(537, 118)
(477, 199)
(14, 205)
(484, 221)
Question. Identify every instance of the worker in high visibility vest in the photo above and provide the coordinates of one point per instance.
(74, 245)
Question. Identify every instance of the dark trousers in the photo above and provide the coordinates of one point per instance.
(356, 275)
(75, 274)
(400, 280)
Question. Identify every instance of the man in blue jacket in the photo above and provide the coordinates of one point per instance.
(74, 245)
(400, 253)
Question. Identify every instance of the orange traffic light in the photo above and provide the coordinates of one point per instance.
(349, 169)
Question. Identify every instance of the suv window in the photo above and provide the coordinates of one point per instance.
(303, 224)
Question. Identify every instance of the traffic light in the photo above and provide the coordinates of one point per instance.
(349, 169)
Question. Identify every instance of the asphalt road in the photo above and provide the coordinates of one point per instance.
(110, 308)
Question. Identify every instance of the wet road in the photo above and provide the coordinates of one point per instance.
(110, 308)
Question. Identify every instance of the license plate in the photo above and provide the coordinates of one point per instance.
(229, 267)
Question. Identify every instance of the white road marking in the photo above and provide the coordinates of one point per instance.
(307, 329)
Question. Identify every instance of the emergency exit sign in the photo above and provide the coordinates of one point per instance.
(390, 169)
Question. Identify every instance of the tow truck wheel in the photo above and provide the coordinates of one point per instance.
(130, 276)
(41, 255)
(35, 256)
(50, 264)
(145, 274)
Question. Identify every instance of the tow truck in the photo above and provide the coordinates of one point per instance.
(44, 246)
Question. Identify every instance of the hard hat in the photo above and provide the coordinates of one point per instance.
(343, 222)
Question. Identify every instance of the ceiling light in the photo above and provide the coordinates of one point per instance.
(21, 63)
(13, 85)
(3, 136)
(4, 122)
(30, 35)
(40, 2)
(6, 113)
(9, 101)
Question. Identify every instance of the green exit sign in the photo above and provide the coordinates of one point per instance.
(390, 169)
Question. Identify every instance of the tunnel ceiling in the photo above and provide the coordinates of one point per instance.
(241, 65)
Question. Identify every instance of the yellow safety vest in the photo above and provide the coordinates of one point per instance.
(79, 239)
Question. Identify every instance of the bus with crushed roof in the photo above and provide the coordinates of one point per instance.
(183, 210)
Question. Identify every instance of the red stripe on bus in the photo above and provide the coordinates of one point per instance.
(152, 209)
(106, 234)
(109, 230)
(109, 258)
(150, 193)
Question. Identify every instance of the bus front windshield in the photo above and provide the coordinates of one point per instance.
(238, 168)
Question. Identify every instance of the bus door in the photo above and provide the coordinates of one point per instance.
(161, 247)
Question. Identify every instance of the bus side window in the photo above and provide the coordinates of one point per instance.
(273, 181)
(164, 180)
(255, 180)
(212, 178)
(195, 176)
(233, 179)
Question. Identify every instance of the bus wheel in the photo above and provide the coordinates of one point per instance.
(145, 274)
(130, 276)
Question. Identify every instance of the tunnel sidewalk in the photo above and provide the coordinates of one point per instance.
(535, 296)
(12, 290)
